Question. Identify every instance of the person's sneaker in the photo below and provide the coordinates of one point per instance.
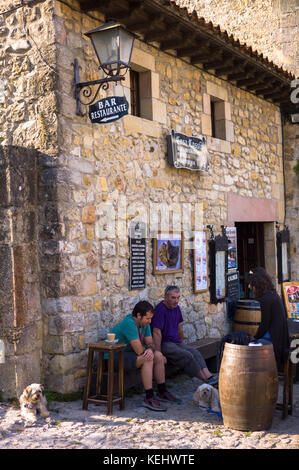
(167, 396)
(213, 380)
(153, 404)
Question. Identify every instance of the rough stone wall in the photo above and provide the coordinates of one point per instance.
(292, 194)
(28, 76)
(117, 172)
(28, 139)
(20, 309)
(271, 27)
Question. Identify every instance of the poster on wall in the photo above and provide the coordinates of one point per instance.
(200, 262)
(137, 246)
(232, 256)
(168, 252)
(291, 298)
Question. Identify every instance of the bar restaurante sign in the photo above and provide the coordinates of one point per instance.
(108, 109)
(187, 152)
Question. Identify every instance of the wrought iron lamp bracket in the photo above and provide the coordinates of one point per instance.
(86, 88)
(210, 227)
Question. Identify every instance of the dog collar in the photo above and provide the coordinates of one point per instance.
(28, 406)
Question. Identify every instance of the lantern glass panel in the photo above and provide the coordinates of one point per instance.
(113, 46)
(106, 45)
(126, 47)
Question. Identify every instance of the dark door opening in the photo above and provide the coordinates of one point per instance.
(250, 243)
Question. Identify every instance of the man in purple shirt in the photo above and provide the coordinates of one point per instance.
(168, 338)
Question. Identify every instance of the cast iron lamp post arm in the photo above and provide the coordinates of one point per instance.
(86, 87)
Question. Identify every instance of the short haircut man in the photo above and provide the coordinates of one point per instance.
(134, 330)
(169, 338)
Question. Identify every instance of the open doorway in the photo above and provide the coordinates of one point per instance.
(250, 243)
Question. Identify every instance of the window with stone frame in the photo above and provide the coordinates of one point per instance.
(218, 118)
(142, 90)
(135, 93)
(141, 98)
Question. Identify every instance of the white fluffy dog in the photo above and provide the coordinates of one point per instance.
(207, 396)
(32, 401)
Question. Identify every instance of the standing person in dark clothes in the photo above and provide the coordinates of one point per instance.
(273, 327)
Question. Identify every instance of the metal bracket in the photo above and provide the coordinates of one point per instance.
(86, 88)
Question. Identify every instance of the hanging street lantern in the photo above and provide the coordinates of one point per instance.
(113, 47)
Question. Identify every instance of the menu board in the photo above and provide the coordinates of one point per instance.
(137, 242)
(233, 285)
(291, 298)
(200, 262)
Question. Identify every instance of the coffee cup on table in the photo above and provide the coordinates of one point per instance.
(110, 337)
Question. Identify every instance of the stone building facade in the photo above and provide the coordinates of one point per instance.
(271, 28)
(70, 188)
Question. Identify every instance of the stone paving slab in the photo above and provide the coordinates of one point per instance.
(184, 426)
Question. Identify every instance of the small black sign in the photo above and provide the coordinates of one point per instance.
(137, 241)
(233, 285)
(108, 109)
(187, 152)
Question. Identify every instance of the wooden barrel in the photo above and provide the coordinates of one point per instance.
(247, 316)
(248, 386)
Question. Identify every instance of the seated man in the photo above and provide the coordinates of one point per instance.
(134, 330)
(168, 338)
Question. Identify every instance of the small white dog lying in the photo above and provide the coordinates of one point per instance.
(32, 401)
(207, 396)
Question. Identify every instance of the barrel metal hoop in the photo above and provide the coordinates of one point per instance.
(246, 322)
(249, 307)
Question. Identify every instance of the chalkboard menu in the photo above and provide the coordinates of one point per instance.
(137, 243)
(233, 285)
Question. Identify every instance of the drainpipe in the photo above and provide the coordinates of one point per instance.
(283, 165)
(283, 116)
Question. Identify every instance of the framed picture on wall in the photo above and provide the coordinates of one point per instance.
(200, 261)
(168, 252)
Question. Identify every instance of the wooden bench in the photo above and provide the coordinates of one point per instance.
(208, 347)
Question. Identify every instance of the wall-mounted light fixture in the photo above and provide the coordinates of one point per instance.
(283, 260)
(113, 46)
(218, 249)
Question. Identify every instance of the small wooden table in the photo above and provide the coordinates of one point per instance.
(109, 399)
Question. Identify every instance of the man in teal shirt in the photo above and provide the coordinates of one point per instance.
(134, 330)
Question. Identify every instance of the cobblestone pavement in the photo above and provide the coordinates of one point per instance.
(183, 426)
